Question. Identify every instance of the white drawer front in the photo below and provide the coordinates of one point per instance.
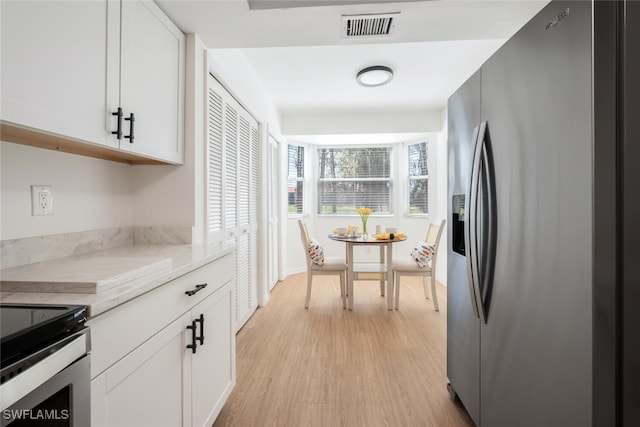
(119, 331)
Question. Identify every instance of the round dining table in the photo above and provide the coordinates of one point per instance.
(381, 270)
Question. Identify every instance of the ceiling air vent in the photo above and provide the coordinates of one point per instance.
(358, 26)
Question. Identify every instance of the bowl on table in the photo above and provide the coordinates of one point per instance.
(341, 231)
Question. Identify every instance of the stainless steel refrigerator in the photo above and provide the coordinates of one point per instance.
(535, 209)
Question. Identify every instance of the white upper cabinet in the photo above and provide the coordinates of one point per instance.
(54, 68)
(67, 66)
(152, 81)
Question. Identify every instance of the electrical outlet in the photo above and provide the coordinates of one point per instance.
(41, 200)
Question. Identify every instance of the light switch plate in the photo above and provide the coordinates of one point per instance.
(41, 200)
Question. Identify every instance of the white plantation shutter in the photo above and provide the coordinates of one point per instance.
(214, 165)
(243, 172)
(231, 162)
(253, 197)
(255, 168)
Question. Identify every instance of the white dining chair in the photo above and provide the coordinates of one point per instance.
(331, 267)
(408, 267)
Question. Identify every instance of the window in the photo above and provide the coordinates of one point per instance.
(418, 179)
(295, 180)
(349, 178)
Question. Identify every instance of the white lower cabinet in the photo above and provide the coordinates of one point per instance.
(213, 363)
(146, 387)
(166, 380)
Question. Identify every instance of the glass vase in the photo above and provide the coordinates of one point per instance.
(365, 235)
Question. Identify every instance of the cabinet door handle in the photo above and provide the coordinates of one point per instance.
(118, 131)
(201, 321)
(131, 119)
(196, 290)
(193, 346)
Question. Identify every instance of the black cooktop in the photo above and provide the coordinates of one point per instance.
(28, 328)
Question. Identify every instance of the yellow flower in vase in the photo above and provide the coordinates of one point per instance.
(364, 215)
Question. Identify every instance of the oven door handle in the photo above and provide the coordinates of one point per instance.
(28, 380)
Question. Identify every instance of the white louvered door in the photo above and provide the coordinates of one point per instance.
(230, 177)
(232, 197)
(215, 194)
(253, 212)
(243, 172)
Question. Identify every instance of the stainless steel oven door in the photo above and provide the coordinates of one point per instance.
(52, 392)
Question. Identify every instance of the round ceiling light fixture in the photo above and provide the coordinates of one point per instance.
(376, 75)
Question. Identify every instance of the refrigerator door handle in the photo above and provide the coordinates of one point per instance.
(483, 280)
(470, 242)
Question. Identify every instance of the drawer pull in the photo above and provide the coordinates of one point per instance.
(118, 131)
(131, 119)
(196, 290)
(193, 346)
(201, 321)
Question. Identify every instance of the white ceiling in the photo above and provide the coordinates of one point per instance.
(306, 66)
(321, 78)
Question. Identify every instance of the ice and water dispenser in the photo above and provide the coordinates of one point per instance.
(457, 223)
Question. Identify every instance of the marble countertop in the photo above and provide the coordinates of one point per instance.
(177, 261)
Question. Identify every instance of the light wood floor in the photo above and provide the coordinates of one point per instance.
(326, 366)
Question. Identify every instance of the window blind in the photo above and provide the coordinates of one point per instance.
(418, 179)
(349, 178)
(295, 180)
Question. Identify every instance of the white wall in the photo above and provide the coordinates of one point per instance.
(88, 193)
(442, 176)
(174, 195)
(234, 72)
(164, 195)
(384, 122)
